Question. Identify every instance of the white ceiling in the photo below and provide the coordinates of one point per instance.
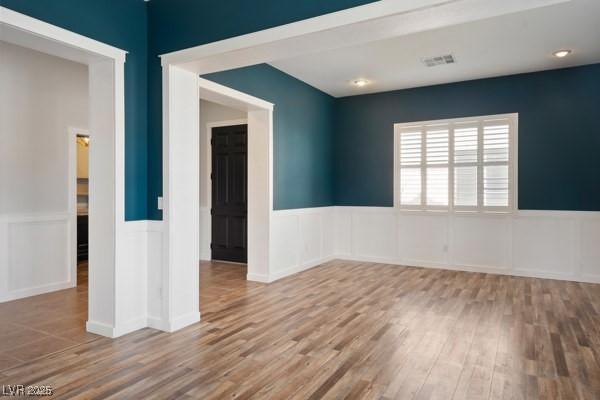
(509, 44)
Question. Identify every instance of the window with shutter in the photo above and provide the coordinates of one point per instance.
(496, 156)
(466, 145)
(436, 161)
(465, 164)
(411, 171)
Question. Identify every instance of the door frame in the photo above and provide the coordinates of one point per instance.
(109, 309)
(182, 91)
(206, 220)
(73, 133)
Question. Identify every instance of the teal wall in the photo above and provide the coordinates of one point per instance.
(559, 135)
(147, 30)
(178, 24)
(302, 138)
(123, 24)
(338, 151)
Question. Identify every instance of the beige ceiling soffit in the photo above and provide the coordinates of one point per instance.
(358, 25)
(324, 22)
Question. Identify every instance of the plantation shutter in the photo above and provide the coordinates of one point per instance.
(436, 174)
(496, 154)
(466, 149)
(411, 156)
(463, 164)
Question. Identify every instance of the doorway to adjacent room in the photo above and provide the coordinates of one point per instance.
(229, 182)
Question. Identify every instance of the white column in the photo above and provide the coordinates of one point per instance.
(181, 174)
(117, 287)
(102, 196)
(260, 193)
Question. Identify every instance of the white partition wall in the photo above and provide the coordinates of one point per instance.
(260, 189)
(179, 291)
(117, 285)
(177, 282)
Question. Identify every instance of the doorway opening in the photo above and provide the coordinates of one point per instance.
(82, 141)
(223, 201)
(223, 183)
(42, 97)
(82, 196)
(229, 182)
(184, 154)
(38, 215)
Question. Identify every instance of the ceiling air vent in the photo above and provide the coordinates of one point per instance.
(438, 60)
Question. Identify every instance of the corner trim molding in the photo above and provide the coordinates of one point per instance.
(35, 26)
(37, 290)
(378, 20)
(100, 328)
(584, 278)
(300, 268)
(258, 278)
(174, 324)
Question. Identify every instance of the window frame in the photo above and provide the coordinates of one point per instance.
(451, 123)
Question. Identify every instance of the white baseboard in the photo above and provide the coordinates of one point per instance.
(258, 278)
(287, 272)
(586, 278)
(590, 278)
(174, 324)
(294, 270)
(37, 290)
(183, 321)
(100, 328)
(158, 323)
(130, 326)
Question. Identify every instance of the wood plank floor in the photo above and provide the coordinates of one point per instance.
(350, 330)
(40, 325)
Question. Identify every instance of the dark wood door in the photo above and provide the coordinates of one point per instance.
(229, 193)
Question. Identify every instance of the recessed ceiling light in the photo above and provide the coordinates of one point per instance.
(562, 53)
(360, 82)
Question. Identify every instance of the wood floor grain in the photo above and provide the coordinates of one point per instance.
(40, 325)
(349, 330)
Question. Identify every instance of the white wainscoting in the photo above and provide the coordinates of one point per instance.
(300, 239)
(131, 295)
(145, 243)
(37, 254)
(205, 233)
(155, 242)
(545, 244)
(141, 297)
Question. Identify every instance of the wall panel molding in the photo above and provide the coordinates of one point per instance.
(301, 239)
(543, 244)
(36, 254)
